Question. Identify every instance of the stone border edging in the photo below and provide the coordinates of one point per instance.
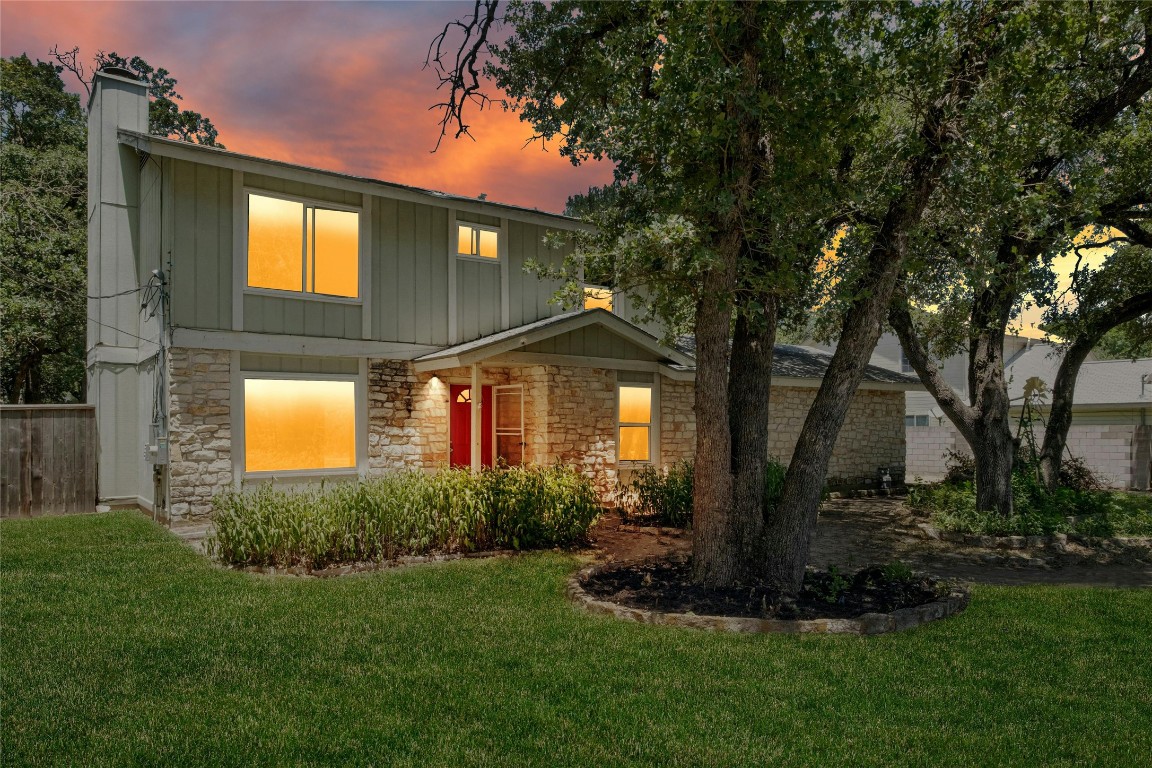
(867, 624)
(1056, 541)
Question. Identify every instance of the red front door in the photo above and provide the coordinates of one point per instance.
(460, 419)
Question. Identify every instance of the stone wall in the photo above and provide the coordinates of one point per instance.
(199, 429)
(677, 421)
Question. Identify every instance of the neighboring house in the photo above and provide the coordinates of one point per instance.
(1111, 418)
(260, 321)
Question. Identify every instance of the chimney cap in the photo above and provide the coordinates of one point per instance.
(119, 72)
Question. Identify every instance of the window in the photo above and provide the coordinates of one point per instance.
(477, 240)
(905, 365)
(597, 297)
(635, 403)
(304, 248)
(297, 424)
(916, 421)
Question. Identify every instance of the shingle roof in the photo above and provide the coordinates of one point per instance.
(1100, 382)
(792, 361)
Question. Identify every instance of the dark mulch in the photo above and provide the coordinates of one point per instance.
(666, 586)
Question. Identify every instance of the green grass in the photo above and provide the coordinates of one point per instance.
(122, 647)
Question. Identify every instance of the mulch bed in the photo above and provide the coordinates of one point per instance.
(667, 587)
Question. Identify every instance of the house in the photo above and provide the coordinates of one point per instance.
(1111, 417)
(259, 321)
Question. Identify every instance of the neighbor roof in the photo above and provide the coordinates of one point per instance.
(1099, 383)
(791, 361)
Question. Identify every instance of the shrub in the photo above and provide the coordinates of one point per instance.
(960, 468)
(407, 513)
(952, 507)
(1075, 475)
(665, 497)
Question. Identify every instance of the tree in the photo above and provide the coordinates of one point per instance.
(736, 130)
(1118, 293)
(43, 230)
(43, 220)
(1072, 153)
(165, 118)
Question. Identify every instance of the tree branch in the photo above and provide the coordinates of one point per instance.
(463, 78)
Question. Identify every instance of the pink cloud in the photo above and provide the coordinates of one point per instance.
(331, 85)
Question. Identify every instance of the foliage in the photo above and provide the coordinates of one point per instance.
(109, 620)
(665, 497)
(43, 235)
(1127, 342)
(409, 513)
(959, 467)
(1037, 511)
(43, 219)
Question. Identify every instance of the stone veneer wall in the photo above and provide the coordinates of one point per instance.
(872, 437)
(199, 429)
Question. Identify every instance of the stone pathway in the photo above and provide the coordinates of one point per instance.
(853, 533)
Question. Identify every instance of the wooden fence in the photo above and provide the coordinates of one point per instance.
(47, 460)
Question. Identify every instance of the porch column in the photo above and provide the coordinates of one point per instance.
(477, 423)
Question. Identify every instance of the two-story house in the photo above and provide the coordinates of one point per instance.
(254, 320)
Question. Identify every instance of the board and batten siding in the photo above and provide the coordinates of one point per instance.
(530, 298)
(198, 233)
(592, 341)
(260, 363)
(409, 272)
(410, 254)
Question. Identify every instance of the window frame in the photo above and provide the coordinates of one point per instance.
(652, 424)
(480, 227)
(592, 287)
(497, 431)
(239, 435)
(307, 202)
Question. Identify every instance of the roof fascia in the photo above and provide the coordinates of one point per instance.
(193, 153)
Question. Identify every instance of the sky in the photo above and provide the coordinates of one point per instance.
(332, 85)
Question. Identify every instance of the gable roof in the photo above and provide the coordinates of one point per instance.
(521, 337)
(198, 153)
(1100, 383)
(806, 366)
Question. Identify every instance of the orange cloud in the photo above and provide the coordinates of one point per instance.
(338, 86)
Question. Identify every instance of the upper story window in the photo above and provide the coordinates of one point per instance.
(477, 240)
(301, 247)
(597, 297)
(905, 364)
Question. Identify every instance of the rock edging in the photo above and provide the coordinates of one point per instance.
(1057, 542)
(867, 624)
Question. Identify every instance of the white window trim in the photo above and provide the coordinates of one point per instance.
(496, 431)
(362, 252)
(454, 245)
(239, 447)
(653, 425)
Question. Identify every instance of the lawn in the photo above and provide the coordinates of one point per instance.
(121, 646)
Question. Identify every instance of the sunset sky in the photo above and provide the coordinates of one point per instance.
(333, 85)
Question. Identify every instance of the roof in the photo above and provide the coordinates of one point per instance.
(216, 156)
(517, 338)
(791, 361)
(1100, 383)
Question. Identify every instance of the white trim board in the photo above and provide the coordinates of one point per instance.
(284, 344)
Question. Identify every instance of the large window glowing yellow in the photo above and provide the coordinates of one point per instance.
(596, 297)
(635, 423)
(291, 424)
(297, 247)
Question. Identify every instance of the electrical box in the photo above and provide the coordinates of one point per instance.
(156, 450)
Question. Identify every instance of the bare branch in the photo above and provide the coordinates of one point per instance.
(463, 76)
(70, 60)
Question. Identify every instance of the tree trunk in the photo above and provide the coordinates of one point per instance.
(1060, 414)
(994, 452)
(715, 543)
(749, 387)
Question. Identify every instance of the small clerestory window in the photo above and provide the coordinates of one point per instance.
(303, 248)
(478, 241)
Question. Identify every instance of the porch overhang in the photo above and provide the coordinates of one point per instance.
(522, 346)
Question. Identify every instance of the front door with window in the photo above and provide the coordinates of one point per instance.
(460, 418)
